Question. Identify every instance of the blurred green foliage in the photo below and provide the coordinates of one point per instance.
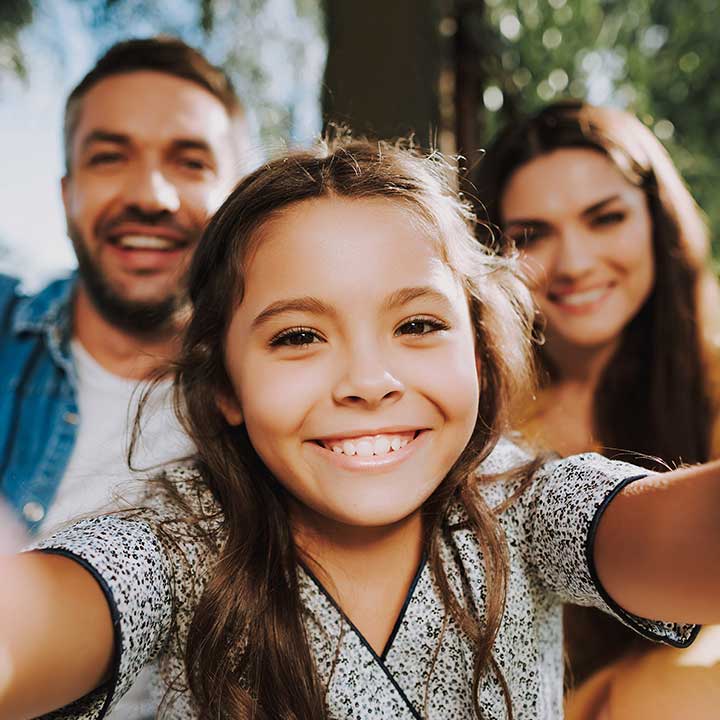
(657, 58)
(14, 15)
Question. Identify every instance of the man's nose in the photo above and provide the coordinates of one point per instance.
(151, 191)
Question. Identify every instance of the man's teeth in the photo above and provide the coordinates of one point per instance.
(369, 445)
(145, 242)
(582, 298)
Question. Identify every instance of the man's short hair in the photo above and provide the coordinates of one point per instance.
(162, 54)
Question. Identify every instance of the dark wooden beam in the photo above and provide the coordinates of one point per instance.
(383, 66)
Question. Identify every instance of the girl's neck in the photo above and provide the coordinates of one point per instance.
(367, 570)
(335, 550)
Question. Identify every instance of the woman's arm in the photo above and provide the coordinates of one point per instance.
(56, 634)
(657, 546)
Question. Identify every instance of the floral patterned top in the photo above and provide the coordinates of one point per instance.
(153, 567)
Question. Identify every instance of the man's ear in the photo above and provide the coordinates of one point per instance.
(65, 192)
(230, 408)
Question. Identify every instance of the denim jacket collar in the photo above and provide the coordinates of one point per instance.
(50, 313)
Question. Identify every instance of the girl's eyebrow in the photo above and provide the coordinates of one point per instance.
(307, 304)
(316, 306)
(405, 295)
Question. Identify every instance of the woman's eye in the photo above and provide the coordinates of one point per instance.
(420, 326)
(295, 338)
(526, 236)
(611, 218)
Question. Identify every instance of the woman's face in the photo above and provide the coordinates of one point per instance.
(352, 358)
(585, 235)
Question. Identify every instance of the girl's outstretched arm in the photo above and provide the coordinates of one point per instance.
(657, 546)
(56, 633)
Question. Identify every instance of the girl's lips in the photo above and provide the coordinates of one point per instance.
(373, 462)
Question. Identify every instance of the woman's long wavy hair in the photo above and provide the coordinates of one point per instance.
(656, 398)
(253, 593)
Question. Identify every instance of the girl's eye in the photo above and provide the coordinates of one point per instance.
(611, 218)
(296, 337)
(421, 326)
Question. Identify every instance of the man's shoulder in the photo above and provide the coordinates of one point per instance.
(20, 310)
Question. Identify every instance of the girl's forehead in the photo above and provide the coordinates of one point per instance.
(347, 247)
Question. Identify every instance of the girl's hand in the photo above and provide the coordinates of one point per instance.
(657, 548)
(56, 634)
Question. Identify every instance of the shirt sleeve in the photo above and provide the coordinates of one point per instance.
(133, 570)
(562, 510)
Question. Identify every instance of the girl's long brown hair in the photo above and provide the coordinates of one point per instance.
(655, 401)
(247, 653)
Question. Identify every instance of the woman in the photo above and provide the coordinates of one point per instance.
(616, 253)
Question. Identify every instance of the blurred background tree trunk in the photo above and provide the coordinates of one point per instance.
(383, 66)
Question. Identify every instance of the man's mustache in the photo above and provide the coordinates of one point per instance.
(161, 220)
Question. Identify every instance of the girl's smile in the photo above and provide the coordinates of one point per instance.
(358, 396)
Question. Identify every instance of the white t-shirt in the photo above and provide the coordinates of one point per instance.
(97, 477)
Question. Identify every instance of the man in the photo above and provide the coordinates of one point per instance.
(154, 139)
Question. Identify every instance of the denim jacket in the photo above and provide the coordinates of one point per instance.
(38, 408)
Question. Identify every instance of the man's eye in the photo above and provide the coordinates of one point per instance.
(194, 163)
(106, 158)
(298, 337)
(420, 326)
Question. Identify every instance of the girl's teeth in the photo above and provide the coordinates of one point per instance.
(369, 446)
(365, 448)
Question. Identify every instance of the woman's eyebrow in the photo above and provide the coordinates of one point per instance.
(592, 209)
(306, 304)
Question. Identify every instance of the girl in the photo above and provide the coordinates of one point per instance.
(617, 254)
(352, 541)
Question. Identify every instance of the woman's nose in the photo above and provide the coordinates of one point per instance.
(575, 255)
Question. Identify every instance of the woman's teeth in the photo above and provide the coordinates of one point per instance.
(369, 445)
(581, 298)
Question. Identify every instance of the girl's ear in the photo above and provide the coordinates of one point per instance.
(230, 408)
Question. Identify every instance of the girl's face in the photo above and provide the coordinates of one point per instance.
(585, 234)
(352, 359)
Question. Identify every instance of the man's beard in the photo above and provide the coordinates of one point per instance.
(135, 317)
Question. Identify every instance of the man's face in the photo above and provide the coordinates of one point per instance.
(152, 158)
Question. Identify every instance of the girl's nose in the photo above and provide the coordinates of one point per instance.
(367, 381)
